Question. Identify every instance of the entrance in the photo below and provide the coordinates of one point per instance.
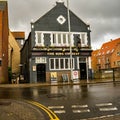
(83, 71)
(41, 73)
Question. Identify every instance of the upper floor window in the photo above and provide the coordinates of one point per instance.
(61, 39)
(118, 63)
(82, 38)
(118, 53)
(39, 39)
(99, 60)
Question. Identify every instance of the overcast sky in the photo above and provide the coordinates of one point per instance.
(102, 15)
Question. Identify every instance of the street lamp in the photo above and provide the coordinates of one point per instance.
(69, 29)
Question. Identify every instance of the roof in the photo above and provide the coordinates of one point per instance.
(57, 20)
(95, 53)
(19, 35)
(3, 4)
(109, 47)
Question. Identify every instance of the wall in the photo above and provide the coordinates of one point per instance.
(4, 43)
(14, 54)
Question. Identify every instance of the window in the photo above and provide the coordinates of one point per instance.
(118, 63)
(52, 63)
(107, 60)
(99, 60)
(82, 37)
(66, 63)
(39, 39)
(40, 60)
(57, 63)
(64, 39)
(60, 63)
(60, 39)
(118, 53)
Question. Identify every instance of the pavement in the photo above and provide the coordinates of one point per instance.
(18, 110)
(22, 110)
(75, 82)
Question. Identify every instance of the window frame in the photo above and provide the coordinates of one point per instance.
(59, 61)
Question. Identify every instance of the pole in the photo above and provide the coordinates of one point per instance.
(113, 75)
(87, 68)
(69, 29)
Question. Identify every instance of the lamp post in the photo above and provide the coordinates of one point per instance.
(69, 30)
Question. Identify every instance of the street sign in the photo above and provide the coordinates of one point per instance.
(75, 74)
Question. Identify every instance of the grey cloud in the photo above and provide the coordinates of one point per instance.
(102, 15)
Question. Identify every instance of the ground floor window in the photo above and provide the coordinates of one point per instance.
(60, 63)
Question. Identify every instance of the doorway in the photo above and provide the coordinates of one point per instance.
(41, 73)
(83, 71)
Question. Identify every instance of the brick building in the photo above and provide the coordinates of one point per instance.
(14, 53)
(4, 31)
(94, 60)
(45, 55)
(107, 57)
(20, 37)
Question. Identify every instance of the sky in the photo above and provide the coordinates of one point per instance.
(103, 16)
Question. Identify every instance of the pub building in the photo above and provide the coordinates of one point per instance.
(45, 56)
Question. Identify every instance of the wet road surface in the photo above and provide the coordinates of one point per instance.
(72, 102)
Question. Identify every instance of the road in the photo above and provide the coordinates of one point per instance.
(72, 102)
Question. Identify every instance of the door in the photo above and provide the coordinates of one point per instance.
(41, 73)
(83, 71)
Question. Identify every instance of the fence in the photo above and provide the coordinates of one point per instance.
(107, 73)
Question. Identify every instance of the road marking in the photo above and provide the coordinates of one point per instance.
(101, 117)
(103, 104)
(108, 109)
(55, 107)
(79, 106)
(81, 111)
(51, 114)
(59, 111)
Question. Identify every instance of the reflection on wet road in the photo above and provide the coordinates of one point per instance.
(72, 102)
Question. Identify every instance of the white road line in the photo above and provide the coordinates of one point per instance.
(81, 111)
(108, 109)
(59, 111)
(56, 107)
(103, 104)
(79, 106)
(101, 117)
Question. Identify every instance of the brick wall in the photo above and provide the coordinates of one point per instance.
(4, 44)
(14, 54)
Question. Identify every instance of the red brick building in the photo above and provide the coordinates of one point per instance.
(107, 57)
(4, 31)
(94, 59)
